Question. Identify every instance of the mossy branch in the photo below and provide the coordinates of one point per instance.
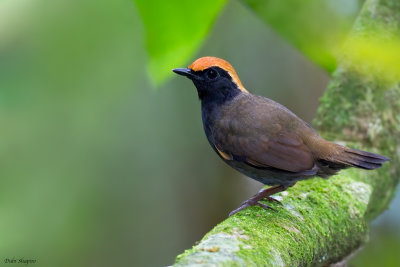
(323, 221)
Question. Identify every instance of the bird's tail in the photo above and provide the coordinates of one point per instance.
(348, 157)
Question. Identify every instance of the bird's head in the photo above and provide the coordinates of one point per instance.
(214, 78)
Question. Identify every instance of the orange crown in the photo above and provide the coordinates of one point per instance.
(207, 62)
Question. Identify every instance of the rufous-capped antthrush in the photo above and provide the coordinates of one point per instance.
(261, 138)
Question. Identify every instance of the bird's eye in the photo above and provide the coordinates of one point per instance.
(212, 74)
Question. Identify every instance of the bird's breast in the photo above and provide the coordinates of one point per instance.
(210, 114)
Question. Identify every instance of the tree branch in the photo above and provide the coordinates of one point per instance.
(323, 221)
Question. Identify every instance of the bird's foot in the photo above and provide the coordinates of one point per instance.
(263, 194)
(271, 199)
(252, 202)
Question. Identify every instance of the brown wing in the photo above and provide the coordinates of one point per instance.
(264, 148)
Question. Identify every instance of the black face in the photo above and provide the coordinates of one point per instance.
(213, 84)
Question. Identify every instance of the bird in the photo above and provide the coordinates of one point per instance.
(261, 138)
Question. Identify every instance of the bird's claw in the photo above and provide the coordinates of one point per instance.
(266, 207)
(271, 199)
(251, 203)
(262, 194)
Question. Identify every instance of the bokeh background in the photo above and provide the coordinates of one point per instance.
(103, 158)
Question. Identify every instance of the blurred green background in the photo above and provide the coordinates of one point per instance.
(103, 158)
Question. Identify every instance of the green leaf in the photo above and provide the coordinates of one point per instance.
(174, 31)
(316, 27)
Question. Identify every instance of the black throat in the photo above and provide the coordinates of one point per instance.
(218, 97)
(211, 105)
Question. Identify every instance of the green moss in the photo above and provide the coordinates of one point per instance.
(312, 226)
(362, 110)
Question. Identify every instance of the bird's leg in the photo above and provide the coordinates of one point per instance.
(262, 194)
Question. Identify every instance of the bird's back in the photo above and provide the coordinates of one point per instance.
(263, 138)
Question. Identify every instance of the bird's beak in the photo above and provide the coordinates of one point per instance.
(186, 72)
